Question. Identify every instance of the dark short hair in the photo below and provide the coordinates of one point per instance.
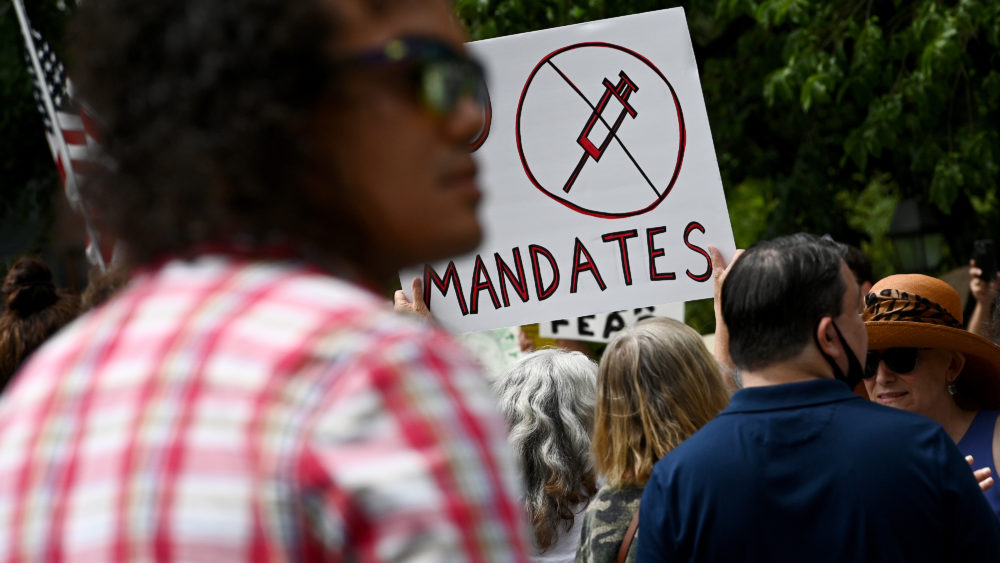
(859, 263)
(776, 293)
(205, 109)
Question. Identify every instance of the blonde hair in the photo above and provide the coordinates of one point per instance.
(547, 398)
(657, 385)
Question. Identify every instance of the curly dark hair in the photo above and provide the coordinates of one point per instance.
(205, 109)
(35, 311)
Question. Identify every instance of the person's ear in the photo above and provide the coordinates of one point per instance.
(955, 366)
(826, 337)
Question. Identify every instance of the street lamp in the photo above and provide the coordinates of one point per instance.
(915, 231)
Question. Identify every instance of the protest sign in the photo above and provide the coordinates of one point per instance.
(602, 327)
(602, 189)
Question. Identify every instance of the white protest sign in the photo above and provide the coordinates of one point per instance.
(602, 189)
(602, 327)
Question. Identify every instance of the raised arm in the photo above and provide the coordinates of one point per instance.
(720, 269)
(985, 294)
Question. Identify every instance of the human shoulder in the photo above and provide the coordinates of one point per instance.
(620, 492)
(358, 354)
(881, 422)
(876, 436)
(606, 520)
(611, 501)
(704, 446)
(303, 305)
(400, 420)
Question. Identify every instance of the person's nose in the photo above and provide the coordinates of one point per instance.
(884, 374)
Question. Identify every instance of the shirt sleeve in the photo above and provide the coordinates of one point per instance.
(407, 458)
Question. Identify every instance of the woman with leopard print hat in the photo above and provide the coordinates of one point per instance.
(921, 360)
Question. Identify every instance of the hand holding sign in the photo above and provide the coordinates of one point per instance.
(415, 306)
(720, 269)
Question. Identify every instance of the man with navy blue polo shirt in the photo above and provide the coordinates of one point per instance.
(798, 468)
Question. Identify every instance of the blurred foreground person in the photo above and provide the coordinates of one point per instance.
(547, 398)
(248, 396)
(921, 360)
(797, 467)
(35, 310)
(657, 384)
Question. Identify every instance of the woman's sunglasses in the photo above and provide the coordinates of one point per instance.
(441, 75)
(898, 360)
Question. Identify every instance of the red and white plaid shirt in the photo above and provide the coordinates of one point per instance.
(232, 410)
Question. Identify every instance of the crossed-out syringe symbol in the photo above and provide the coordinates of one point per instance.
(623, 90)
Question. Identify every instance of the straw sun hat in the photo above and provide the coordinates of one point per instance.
(917, 311)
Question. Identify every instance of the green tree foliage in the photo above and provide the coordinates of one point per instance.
(826, 114)
(892, 99)
(29, 182)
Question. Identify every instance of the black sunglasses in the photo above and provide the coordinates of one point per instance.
(899, 360)
(441, 75)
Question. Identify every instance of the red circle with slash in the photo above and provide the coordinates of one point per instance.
(590, 143)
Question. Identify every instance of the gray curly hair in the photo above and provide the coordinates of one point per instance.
(548, 399)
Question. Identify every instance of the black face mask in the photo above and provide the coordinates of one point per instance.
(855, 371)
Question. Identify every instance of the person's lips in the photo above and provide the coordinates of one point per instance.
(890, 396)
(462, 178)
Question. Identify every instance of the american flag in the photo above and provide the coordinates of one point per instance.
(70, 132)
(66, 121)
